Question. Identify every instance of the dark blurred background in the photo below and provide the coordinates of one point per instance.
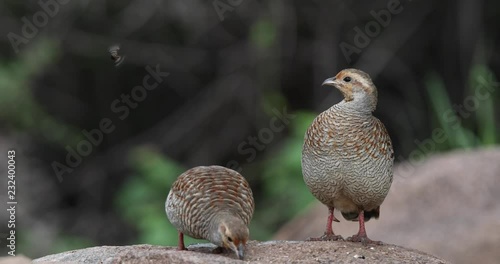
(244, 82)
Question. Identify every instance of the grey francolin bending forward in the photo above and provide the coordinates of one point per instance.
(212, 203)
(347, 155)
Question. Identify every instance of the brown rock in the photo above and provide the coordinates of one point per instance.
(447, 206)
(257, 252)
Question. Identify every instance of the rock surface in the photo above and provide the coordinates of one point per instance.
(257, 252)
(447, 206)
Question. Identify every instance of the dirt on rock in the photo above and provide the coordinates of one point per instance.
(256, 252)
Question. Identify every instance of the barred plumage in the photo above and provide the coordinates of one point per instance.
(212, 203)
(347, 156)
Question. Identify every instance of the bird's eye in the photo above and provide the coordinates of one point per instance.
(229, 239)
(347, 79)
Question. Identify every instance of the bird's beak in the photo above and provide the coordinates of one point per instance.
(241, 251)
(329, 81)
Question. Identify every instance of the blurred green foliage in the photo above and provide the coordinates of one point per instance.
(458, 135)
(284, 193)
(457, 120)
(480, 75)
(263, 34)
(141, 200)
(20, 109)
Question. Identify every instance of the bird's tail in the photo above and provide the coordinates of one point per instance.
(353, 216)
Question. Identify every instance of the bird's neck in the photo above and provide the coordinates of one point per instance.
(360, 104)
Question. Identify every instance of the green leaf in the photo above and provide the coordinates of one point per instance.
(482, 83)
(458, 136)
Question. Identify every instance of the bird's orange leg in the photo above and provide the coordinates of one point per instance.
(181, 242)
(328, 235)
(361, 236)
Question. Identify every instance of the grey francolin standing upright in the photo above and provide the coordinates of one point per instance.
(347, 156)
(212, 203)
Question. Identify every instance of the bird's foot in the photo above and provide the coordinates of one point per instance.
(326, 237)
(364, 240)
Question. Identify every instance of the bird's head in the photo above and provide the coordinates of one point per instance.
(234, 235)
(356, 86)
